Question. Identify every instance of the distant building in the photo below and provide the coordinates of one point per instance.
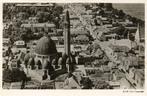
(19, 44)
(117, 75)
(139, 78)
(81, 39)
(124, 42)
(33, 20)
(75, 48)
(39, 27)
(6, 41)
(67, 82)
(115, 84)
(74, 20)
(139, 34)
(34, 5)
(75, 32)
(110, 36)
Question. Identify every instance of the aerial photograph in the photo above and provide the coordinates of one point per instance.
(73, 46)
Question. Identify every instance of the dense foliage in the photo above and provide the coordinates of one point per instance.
(21, 14)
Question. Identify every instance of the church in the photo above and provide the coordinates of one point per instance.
(46, 62)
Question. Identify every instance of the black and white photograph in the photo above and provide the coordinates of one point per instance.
(73, 46)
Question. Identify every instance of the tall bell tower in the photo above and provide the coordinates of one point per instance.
(67, 34)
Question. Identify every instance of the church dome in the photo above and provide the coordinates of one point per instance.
(46, 46)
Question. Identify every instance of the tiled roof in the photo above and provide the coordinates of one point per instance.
(38, 25)
(45, 46)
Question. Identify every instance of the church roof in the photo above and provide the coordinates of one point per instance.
(46, 46)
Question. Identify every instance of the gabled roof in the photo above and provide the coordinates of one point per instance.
(38, 25)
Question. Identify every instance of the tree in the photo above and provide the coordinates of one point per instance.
(108, 6)
(134, 20)
(131, 37)
(102, 85)
(120, 30)
(87, 6)
(102, 13)
(101, 4)
(121, 14)
(14, 75)
(43, 16)
(86, 83)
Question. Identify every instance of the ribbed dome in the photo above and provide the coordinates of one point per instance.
(46, 46)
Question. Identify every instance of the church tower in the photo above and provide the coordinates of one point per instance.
(69, 64)
(67, 34)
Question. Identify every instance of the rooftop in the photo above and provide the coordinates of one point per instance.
(46, 46)
(34, 4)
(38, 25)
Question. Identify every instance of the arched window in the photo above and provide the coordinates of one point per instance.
(39, 64)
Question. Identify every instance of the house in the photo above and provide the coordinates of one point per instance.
(71, 83)
(80, 70)
(82, 39)
(141, 55)
(98, 17)
(117, 48)
(108, 12)
(49, 27)
(131, 27)
(105, 69)
(6, 26)
(101, 76)
(76, 32)
(114, 85)
(110, 36)
(59, 81)
(117, 75)
(60, 48)
(66, 82)
(139, 78)
(34, 5)
(33, 20)
(136, 77)
(110, 53)
(89, 11)
(76, 48)
(108, 25)
(20, 44)
(55, 39)
(129, 62)
(87, 16)
(124, 42)
(6, 41)
(85, 60)
(139, 34)
(104, 18)
(74, 20)
(59, 32)
(125, 84)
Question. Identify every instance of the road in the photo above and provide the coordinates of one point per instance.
(78, 10)
(86, 23)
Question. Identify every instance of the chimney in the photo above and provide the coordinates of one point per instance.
(67, 34)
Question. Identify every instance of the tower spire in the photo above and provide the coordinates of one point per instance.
(67, 33)
(137, 35)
